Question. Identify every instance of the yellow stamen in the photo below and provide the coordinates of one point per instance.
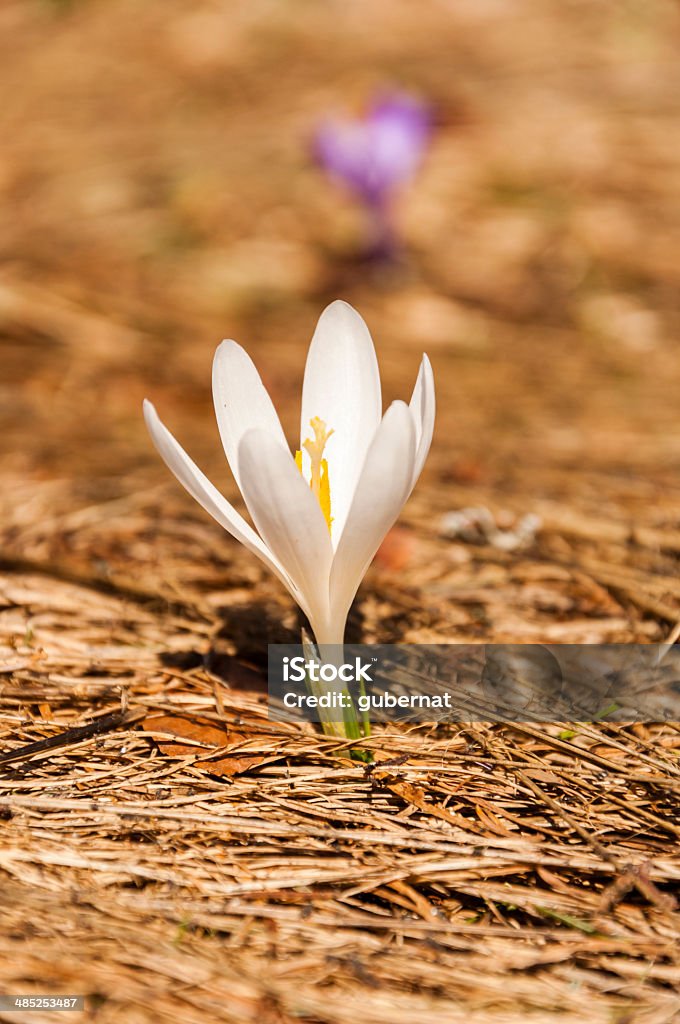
(325, 493)
(318, 480)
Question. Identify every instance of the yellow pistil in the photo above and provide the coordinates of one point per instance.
(318, 480)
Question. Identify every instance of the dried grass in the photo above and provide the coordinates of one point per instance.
(503, 872)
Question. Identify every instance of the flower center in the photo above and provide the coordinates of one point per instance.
(318, 479)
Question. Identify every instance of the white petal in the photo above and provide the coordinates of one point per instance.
(342, 387)
(383, 487)
(288, 517)
(207, 495)
(241, 401)
(422, 406)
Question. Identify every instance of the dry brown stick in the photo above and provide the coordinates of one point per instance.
(634, 875)
(594, 843)
(107, 723)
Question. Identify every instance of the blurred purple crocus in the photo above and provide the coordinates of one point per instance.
(374, 155)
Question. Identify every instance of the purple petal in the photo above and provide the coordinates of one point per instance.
(374, 155)
(343, 148)
(408, 113)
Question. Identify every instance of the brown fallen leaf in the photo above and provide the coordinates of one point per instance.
(203, 736)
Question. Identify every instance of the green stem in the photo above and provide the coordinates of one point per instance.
(365, 717)
(351, 728)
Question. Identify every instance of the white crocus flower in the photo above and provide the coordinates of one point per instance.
(319, 518)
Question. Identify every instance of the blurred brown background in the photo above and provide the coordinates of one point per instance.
(156, 195)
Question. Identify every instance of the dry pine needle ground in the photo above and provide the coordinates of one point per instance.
(505, 872)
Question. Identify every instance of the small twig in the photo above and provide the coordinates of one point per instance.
(629, 876)
(594, 843)
(107, 723)
(635, 876)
